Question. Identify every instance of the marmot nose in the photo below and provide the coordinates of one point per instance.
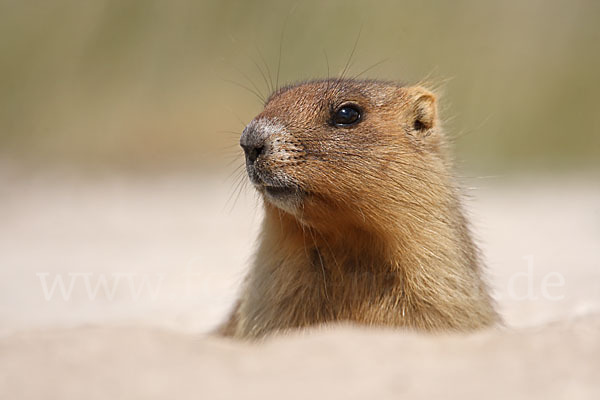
(253, 144)
(252, 152)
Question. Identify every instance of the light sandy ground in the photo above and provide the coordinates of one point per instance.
(149, 263)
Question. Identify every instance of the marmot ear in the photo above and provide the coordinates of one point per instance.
(422, 109)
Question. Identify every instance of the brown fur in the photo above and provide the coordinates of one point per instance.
(376, 234)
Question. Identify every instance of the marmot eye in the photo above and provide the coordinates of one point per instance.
(346, 115)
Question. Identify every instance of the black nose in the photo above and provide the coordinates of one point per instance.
(253, 144)
(253, 151)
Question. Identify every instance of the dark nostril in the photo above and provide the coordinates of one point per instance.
(252, 152)
(253, 141)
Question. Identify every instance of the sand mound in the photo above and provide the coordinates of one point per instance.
(555, 361)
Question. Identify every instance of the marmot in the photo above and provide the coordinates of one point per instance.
(363, 218)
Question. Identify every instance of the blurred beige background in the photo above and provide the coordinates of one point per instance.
(146, 83)
(121, 208)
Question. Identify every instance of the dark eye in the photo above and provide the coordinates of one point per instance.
(346, 115)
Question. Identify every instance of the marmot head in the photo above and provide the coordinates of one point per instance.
(342, 149)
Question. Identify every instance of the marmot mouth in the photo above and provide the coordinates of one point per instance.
(281, 191)
(287, 198)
